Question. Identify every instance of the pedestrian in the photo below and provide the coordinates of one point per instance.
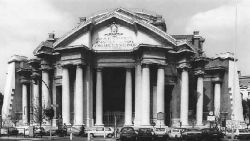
(65, 128)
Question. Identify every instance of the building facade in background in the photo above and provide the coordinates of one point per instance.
(123, 63)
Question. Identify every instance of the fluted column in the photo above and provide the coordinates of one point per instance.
(25, 103)
(65, 96)
(128, 98)
(184, 97)
(99, 98)
(45, 89)
(160, 93)
(79, 96)
(217, 97)
(199, 104)
(138, 88)
(145, 97)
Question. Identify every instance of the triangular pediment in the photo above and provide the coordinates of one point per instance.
(138, 27)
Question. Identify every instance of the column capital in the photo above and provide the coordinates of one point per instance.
(161, 66)
(24, 81)
(145, 65)
(217, 80)
(199, 73)
(66, 65)
(80, 65)
(184, 67)
(98, 69)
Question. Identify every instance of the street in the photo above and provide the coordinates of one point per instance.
(68, 139)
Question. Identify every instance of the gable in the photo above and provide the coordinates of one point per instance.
(133, 30)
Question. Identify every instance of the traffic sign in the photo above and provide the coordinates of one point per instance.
(160, 116)
(210, 118)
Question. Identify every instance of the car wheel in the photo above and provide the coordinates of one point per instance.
(235, 137)
(109, 136)
(91, 135)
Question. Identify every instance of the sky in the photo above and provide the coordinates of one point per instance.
(24, 24)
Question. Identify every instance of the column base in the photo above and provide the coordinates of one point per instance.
(175, 122)
(89, 122)
(128, 125)
(137, 122)
(199, 126)
(160, 123)
(100, 125)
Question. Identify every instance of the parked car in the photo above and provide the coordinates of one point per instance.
(192, 134)
(100, 131)
(145, 134)
(39, 131)
(160, 133)
(23, 130)
(210, 134)
(242, 134)
(128, 133)
(74, 130)
(175, 133)
(9, 131)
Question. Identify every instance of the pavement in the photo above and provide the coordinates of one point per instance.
(44, 138)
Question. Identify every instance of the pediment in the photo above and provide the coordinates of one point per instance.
(44, 47)
(133, 30)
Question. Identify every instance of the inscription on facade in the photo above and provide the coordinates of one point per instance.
(114, 41)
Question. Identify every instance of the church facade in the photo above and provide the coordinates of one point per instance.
(123, 64)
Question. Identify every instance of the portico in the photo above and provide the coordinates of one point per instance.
(120, 65)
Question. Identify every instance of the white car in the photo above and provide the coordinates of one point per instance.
(23, 130)
(160, 132)
(100, 131)
(175, 133)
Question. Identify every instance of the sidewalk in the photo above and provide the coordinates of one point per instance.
(44, 138)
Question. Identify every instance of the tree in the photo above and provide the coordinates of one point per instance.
(246, 109)
(38, 114)
(1, 105)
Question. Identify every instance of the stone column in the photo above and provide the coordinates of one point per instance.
(128, 98)
(89, 96)
(36, 103)
(199, 104)
(99, 98)
(25, 103)
(137, 121)
(145, 97)
(65, 96)
(79, 96)
(160, 93)
(184, 97)
(217, 97)
(45, 89)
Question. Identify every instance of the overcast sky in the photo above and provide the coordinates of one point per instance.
(25, 23)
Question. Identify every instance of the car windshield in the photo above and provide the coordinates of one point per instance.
(160, 129)
(192, 130)
(127, 129)
(144, 130)
(175, 130)
(243, 131)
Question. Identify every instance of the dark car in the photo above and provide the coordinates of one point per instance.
(128, 133)
(210, 134)
(145, 134)
(192, 134)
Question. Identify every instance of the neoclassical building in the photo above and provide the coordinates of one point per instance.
(123, 64)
